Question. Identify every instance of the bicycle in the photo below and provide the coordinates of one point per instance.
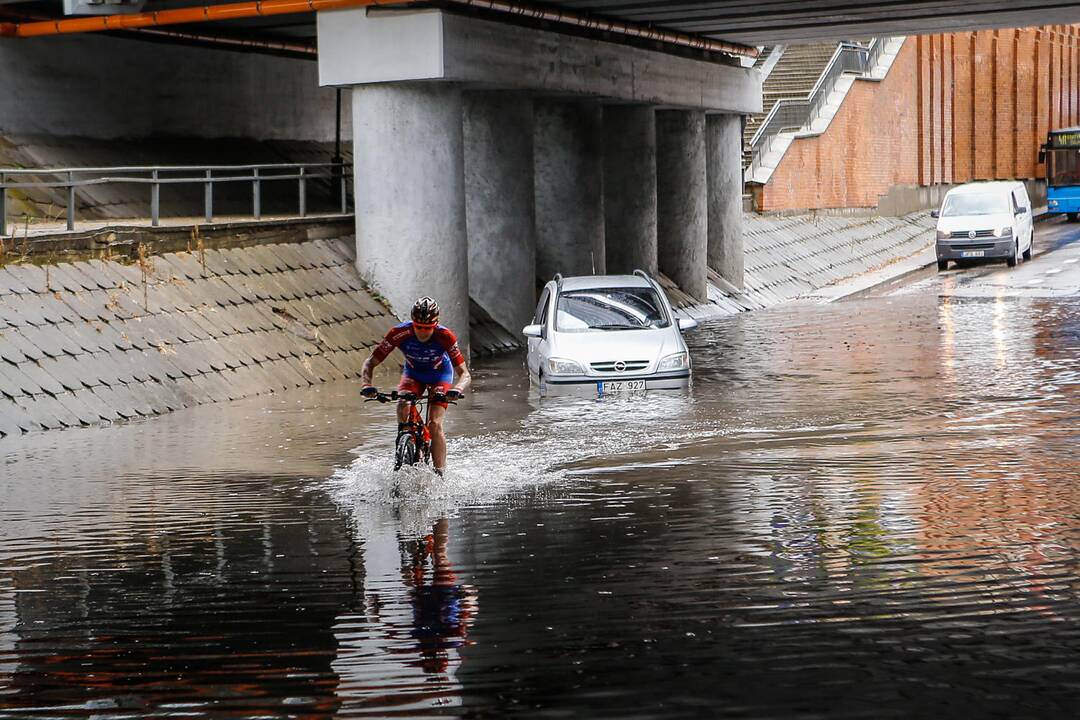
(413, 444)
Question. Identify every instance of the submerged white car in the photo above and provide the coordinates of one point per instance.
(605, 334)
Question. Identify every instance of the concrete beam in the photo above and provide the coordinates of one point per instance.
(499, 205)
(358, 46)
(569, 189)
(723, 152)
(681, 199)
(630, 188)
(410, 197)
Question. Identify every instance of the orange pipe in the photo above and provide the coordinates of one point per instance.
(180, 16)
(262, 8)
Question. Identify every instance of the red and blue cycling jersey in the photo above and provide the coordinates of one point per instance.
(431, 362)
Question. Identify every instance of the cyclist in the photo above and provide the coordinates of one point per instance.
(431, 356)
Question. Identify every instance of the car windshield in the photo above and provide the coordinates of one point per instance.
(610, 309)
(975, 204)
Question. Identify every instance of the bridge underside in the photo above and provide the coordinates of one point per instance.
(779, 21)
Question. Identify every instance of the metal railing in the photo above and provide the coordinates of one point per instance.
(70, 179)
(791, 115)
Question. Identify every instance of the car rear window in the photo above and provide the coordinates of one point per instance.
(610, 309)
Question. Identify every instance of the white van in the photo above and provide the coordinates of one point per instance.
(984, 221)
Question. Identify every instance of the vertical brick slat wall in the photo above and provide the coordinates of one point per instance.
(954, 108)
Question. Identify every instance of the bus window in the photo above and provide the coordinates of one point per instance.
(1063, 167)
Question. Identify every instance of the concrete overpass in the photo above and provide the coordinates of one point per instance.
(496, 142)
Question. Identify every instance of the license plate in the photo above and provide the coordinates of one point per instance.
(973, 253)
(615, 386)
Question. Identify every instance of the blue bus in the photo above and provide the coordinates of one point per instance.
(1061, 153)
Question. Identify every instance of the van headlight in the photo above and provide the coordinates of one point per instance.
(678, 361)
(1005, 231)
(560, 366)
(943, 234)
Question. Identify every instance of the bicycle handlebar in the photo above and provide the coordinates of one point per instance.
(408, 397)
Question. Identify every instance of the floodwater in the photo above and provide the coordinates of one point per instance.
(867, 509)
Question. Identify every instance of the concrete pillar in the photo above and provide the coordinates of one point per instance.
(569, 189)
(630, 188)
(410, 196)
(723, 142)
(682, 211)
(499, 209)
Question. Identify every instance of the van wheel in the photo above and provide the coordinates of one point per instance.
(1015, 259)
(942, 265)
(1030, 248)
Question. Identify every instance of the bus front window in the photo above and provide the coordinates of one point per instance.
(1063, 167)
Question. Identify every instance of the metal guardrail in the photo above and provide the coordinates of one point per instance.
(790, 115)
(155, 176)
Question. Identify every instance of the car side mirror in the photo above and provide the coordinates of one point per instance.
(935, 213)
(1021, 210)
(533, 331)
(687, 324)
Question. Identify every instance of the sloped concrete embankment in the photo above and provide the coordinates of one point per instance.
(790, 256)
(98, 340)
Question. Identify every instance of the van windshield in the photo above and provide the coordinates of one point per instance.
(633, 308)
(975, 204)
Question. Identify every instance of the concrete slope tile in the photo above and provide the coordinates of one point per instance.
(302, 367)
(122, 305)
(190, 328)
(130, 400)
(185, 264)
(152, 394)
(60, 278)
(218, 263)
(39, 377)
(20, 311)
(48, 340)
(237, 348)
(16, 414)
(83, 335)
(189, 393)
(46, 412)
(16, 338)
(324, 369)
(212, 387)
(11, 285)
(9, 429)
(29, 276)
(86, 282)
(78, 408)
(67, 371)
(117, 400)
(10, 385)
(96, 271)
(9, 350)
(134, 332)
(96, 405)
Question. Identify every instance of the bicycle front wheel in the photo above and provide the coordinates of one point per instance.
(407, 452)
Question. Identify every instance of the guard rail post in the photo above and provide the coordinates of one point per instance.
(71, 201)
(303, 193)
(344, 190)
(155, 199)
(208, 197)
(3, 205)
(256, 193)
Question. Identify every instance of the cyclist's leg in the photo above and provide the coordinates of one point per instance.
(410, 385)
(436, 413)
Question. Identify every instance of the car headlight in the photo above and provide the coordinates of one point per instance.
(1003, 231)
(678, 361)
(559, 366)
(943, 234)
(1052, 203)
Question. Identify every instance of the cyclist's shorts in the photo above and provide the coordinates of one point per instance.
(417, 387)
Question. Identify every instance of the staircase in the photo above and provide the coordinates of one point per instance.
(793, 76)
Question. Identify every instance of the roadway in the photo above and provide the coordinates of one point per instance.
(1054, 271)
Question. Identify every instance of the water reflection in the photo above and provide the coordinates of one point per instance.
(870, 511)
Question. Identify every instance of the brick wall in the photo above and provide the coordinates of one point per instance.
(954, 107)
